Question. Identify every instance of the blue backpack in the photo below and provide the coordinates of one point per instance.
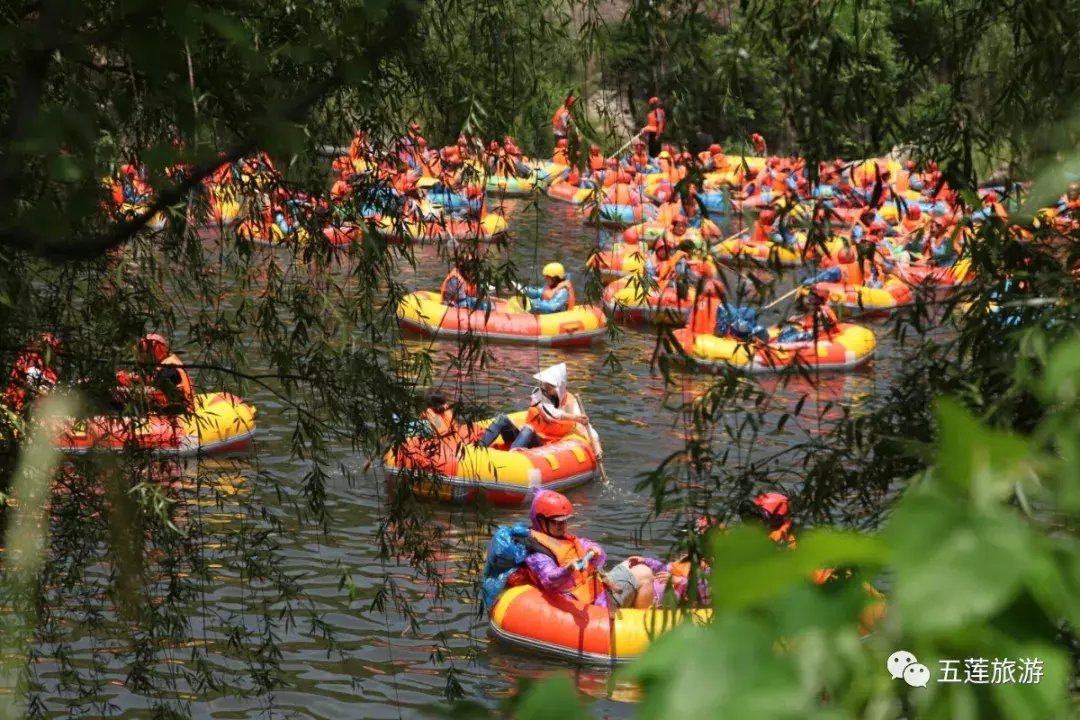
(506, 553)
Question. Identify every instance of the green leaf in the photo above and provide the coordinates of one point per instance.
(953, 566)
(748, 568)
(971, 457)
(554, 698)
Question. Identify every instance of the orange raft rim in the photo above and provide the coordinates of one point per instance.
(423, 312)
(453, 469)
(527, 617)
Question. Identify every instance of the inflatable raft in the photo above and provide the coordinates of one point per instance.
(508, 321)
(454, 469)
(573, 194)
(557, 625)
(610, 215)
(510, 186)
(846, 348)
(492, 227)
(938, 283)
(632, 300)
(547, 171)
(771, 253)
(221, 422)
(860, 299)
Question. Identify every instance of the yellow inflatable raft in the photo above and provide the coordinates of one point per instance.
(508, 321)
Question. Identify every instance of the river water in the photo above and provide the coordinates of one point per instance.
(376, 668)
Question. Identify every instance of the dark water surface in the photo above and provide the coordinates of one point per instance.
(379, 670)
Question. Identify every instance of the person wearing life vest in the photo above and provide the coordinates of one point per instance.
(667, 263)
(764, 226)
(557, 294)
(559, 562)
(554, 412)
(561, 154)
(596, 162)
(561, 120)
(34, 372)
(710, 299)
(774, 511)
(160, 380)
(655, 125)
(639, 157)
(459, 288)
(759, 144)
(817, 317)
(438, 417)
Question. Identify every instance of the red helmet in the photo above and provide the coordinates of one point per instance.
(909, 165)
(914, 212)
(878, 226)
(623, 177)
(594, 149)
(562, 142)
(991, 197)
(154, 345)
(756, 136)
(654, 100)
(768, 215)
(550, 504)
(845, 256)
(715, 149)
(773, 503)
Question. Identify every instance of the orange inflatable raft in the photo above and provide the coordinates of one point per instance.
(558, 625)
(221, 422)
(508, 321)
(634, 300)
(846, 348)
(454, 469)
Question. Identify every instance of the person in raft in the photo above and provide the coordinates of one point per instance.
(459, 288)
(557, 294)
(160, 380)
(34, 372)
(817, 317)
(554, 413)
(559, 562)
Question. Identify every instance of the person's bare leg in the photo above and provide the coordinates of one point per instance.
(643, 576)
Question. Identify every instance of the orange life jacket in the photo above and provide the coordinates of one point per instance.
(340, 189)
(656, 122)
(186, 387)
(784, 536)
(762, 230)
(441, 422)
(825, 317)
(665, 269)
(703, 321)
(596, 162)
(549, 292)
(469, 287)
(560, 157)
(560, 120)
(549, 429)
(587, 587)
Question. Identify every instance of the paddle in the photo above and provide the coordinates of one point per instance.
(783, 297)
(626, 145)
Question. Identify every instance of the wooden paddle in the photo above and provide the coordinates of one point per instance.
(628, 142)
